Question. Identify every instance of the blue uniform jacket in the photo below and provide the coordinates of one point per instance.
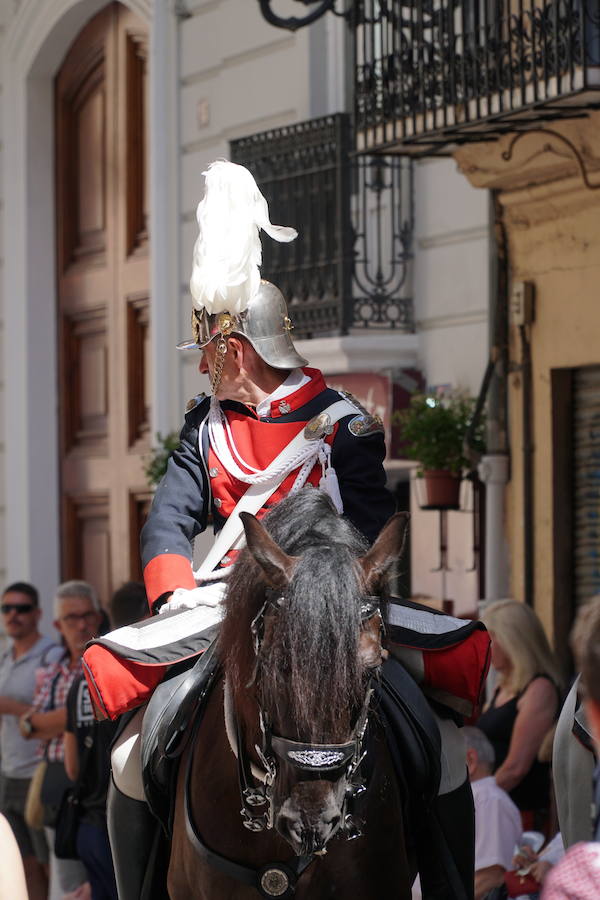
(180, 508)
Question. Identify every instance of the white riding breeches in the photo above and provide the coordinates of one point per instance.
(453, 755)
(126, 759)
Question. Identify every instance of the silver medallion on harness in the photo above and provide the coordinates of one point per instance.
(274, 882)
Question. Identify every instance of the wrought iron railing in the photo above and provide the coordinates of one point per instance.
(350, 265)
(433, 72)
(384, 224)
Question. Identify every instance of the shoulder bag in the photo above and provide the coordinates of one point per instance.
(69, 813)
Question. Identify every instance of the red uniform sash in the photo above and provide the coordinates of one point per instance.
(258, 443)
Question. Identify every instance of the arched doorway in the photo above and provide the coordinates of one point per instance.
(103, 295)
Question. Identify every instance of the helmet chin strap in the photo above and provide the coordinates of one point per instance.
(215, 381)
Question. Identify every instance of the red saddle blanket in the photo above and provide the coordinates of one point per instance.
(449, 658)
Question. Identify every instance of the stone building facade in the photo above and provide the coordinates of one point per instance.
(208, 72)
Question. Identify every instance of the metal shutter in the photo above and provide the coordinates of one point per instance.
(586, 482)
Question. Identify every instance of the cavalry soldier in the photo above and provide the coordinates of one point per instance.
(270, 426)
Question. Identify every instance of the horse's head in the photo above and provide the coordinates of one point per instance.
(307, 638)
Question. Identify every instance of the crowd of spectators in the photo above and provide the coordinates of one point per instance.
(47, 725)
(46, 716)
(517, 783)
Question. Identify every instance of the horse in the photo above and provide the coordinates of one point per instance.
(299, 647)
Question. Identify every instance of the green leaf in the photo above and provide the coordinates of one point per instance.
(433, 428)
(156, 461)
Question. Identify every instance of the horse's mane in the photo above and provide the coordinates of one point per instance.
(310, 663)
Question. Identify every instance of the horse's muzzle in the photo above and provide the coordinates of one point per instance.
(304, 836)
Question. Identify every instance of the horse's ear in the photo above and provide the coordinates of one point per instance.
(387, 548)
(276, 565)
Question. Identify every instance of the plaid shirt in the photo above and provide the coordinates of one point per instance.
(51, 693)
(576, 876)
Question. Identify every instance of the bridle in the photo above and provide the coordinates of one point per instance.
(316, 761)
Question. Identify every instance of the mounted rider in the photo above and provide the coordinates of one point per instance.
(270, 426)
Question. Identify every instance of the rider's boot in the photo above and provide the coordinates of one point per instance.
(133, 832)
(447, 873)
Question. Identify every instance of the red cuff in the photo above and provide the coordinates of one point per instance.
(166, 572)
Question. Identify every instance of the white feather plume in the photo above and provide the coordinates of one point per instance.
(228, 252)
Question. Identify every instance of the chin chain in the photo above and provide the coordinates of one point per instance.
(219, 363)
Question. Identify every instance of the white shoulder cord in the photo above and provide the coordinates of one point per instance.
(221, 438)
(263, 484)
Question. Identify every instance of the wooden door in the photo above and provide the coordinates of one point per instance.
(103, 297)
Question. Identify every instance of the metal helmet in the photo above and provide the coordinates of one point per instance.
(229, 296)
(264, 323)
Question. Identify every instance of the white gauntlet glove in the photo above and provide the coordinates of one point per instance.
(211, 594)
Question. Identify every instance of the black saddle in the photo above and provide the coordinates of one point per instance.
(412, 734)
(171, 710)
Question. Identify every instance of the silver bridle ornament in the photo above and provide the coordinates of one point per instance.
(264, 323)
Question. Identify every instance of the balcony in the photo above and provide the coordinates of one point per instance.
(349, 268)
(432, 74)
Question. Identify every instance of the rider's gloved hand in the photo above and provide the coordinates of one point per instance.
(211, 594)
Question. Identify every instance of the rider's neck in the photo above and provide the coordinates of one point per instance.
(255, 384)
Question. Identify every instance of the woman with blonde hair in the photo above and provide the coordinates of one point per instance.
(524, 706)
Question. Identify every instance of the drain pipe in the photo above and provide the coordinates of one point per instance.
(493, 466)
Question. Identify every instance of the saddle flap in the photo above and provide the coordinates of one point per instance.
(411, 730)
(172, 708)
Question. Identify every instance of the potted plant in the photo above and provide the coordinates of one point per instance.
(433, 430)
(156, 461)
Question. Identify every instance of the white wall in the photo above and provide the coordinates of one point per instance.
(4, 11)
(451, 310)
(238, 76)
(451, 275)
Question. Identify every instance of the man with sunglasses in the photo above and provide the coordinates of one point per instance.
(29, 652)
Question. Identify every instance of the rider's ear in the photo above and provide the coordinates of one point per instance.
(276, 565)
(237, 349)
(387, 548)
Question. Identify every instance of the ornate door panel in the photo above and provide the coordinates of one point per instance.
(103, 289)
